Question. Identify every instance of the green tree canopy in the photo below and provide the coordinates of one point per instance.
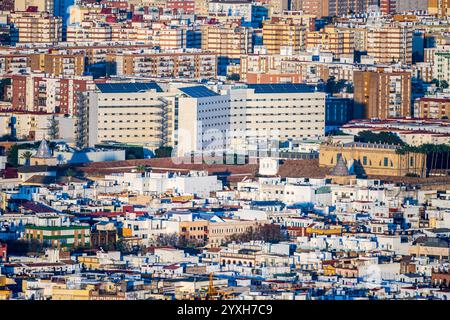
(382, 137)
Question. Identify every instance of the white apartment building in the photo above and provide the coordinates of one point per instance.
(233, 8)
(242, 116)
(273, 189)
(135, 113)
(89, 31)
(197, 183)
(441, 66)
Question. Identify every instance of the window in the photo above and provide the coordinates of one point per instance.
(364, 160)
(386, 162)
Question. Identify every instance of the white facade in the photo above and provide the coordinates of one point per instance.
(242, 117)
(131, 117)
(197, 183)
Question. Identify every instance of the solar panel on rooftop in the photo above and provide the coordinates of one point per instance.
(198, 92)
(128, 87)
(282, 88)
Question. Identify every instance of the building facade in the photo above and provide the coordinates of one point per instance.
(382, 94)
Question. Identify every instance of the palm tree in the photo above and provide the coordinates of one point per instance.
(52, 147)
(26, 156)
(70, 174)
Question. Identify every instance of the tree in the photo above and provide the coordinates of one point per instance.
(437, 155)
(141, 168)
(382, 137)
(26, 156)
(444, 84)
(330, 86)
(349, 88)
(268, 232)
(176, 240)
(234, 77)
(52, 147)
(163, 152)
(70, 173)
(335, 87)
(8, 137)
(336, 132)
(123, 246)
(163, 240)
(25, 247)
(53, 129)
(435, 82)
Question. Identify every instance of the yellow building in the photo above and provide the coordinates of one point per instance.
(329, 270)
(195, 231)
(58, 63)
(229, 40)
(279, 33)
(5, 294)
(89, 262)
(63, 293)
(373, 159)
(218, 232)
(330, 39)
(430, 247)
(440, 8)
(127, 232)
(36, 27)
(332, 231)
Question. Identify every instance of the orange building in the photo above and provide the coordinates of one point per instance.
(195, 231)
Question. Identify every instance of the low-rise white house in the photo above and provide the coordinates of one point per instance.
(197, 183)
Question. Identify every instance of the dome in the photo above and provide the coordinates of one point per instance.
(341, 168)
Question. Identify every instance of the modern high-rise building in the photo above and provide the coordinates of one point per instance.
(37, 92)
(317, 8)
(278, 6)
(58, 64)
(61, 8)
(388, 6)
(382, 94)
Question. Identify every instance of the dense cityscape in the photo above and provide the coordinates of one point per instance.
(224, 150)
